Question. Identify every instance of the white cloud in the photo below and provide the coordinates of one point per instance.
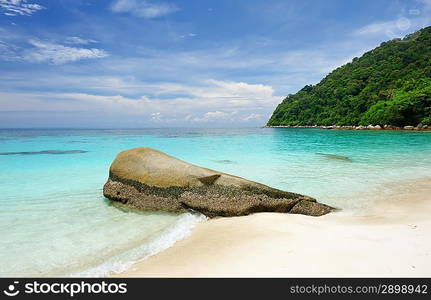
(215, 102)
(415, 19)
(8, 52)
(76, 40)
(19, 7)
(392, 29)
(252, 116)
(321, 60)
(285, 70)
(156, 116)
(241, 90)
(187, 35)
(59, 54)
(212, 116)
(231, 91)
(143, 8)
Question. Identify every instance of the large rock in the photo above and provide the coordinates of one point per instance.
(148, 179)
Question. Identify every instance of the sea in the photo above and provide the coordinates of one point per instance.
(54, 220)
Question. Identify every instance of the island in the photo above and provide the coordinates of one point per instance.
(388, 87)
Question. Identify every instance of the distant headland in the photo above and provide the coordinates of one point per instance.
(420, 127)
(390, 84)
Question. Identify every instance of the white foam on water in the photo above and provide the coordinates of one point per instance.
(167, 238)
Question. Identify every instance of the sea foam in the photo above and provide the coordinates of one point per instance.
(167, 238)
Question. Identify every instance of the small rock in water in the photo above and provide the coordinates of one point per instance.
(335, 156)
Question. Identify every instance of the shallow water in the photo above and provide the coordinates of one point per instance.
(54, 220)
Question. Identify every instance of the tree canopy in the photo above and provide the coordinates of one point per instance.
(390, 84)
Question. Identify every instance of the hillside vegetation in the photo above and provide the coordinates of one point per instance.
(390, 84)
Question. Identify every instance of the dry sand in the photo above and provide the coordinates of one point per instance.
(393, 239)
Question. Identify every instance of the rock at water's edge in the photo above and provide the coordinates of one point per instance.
(148, 179)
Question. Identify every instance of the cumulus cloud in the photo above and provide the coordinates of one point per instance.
(252, 116)
(59, 54)
(214, 103)
(231, 92)
(19, 7)
(143, 8)
(213, 116)
(234, 89)
(232, 116)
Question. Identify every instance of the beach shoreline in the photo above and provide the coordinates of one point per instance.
(389, 240)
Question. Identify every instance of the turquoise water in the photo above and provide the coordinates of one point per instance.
(54, 220)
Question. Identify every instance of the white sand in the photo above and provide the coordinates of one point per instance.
(392, 240)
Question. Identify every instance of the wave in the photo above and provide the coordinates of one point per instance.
(167, 238)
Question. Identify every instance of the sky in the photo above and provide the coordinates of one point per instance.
(167, 63)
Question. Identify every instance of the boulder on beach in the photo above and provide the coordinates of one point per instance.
(148, 179)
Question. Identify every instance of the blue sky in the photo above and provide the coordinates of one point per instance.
(194, 63)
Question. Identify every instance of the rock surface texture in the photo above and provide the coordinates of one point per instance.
(148, 179)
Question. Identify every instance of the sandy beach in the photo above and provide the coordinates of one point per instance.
(390, 240)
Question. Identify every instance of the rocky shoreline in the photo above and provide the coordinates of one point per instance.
(419, 127)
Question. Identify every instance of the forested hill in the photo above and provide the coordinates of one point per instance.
(388, 85)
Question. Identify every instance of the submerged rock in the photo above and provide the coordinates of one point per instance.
(335, 156)
(44, 152)
(225, 161)
(148, 179)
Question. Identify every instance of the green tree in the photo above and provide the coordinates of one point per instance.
(388, 85)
